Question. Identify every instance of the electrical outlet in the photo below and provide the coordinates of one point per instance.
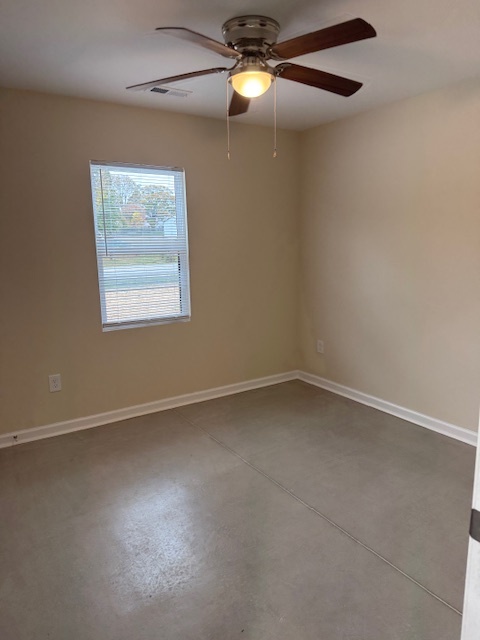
(320, 346)
(55, 382)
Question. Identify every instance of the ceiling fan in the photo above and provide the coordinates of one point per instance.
(252, 41)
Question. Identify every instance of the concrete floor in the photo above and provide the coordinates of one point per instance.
(285, 513)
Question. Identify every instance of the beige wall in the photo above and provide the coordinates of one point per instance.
(385, 207)
(390, 241)
(243, 258)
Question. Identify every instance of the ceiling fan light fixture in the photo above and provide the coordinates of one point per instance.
(251, 78)
(251, 84)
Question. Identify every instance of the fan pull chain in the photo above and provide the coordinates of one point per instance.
(228, 126)
(274, 116)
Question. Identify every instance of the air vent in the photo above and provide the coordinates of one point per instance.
(168, 91)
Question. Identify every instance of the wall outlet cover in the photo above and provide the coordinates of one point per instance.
(55, 382)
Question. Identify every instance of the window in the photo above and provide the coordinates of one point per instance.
(142, 247)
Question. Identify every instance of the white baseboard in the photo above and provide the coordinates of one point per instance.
(445, 428)
(78, 424)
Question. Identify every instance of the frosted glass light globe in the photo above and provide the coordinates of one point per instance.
(251, 84)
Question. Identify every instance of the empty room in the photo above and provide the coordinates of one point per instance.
(239, 338)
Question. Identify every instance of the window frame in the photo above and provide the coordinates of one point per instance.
(182, 250)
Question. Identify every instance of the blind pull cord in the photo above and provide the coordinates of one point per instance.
(103, 215)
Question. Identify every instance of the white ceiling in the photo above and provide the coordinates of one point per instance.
(95, 48)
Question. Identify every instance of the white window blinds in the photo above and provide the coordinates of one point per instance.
(142, 246)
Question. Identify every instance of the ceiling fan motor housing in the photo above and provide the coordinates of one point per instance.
(251, 34)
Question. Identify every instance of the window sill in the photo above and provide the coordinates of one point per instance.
(144, 323)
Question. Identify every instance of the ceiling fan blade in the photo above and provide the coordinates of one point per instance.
(238, 105)
(184, 76)
(201, 40)
(316, 78)
(350, 31)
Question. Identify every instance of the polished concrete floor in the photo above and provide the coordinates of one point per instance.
(285, 513)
